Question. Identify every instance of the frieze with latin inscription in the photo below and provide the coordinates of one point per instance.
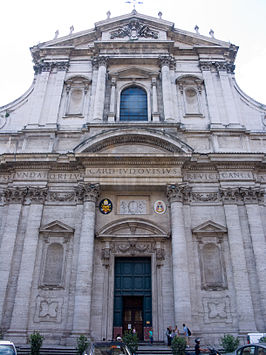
(118, 172)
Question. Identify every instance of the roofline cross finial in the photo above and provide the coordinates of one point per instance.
(134, 3)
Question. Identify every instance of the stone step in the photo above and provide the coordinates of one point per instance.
(53, 350)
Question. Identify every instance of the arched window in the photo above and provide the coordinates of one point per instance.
(133, 104)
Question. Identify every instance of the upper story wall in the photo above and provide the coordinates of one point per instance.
(188, 80)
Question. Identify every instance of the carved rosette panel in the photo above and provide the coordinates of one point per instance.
(178, 193)
(48, 309)
(217, 310)
(87, 192)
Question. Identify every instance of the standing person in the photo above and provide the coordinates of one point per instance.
(151, 336)
(187, 333)
(169, 335)
(176, 332)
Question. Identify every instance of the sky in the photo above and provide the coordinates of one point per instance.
(25, 23)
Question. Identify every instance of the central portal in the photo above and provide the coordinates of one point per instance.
(132, 296)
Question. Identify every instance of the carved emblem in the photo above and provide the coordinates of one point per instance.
(217, 310)
(48, 309)
(133, 207)
(106, 206)
(134, 30)
(159, 207)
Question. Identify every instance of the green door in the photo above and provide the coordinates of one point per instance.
(132, 294)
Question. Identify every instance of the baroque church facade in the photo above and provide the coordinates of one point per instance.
(132, 184)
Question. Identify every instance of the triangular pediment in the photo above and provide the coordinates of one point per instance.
(56, 227)
(209, 227)
(133, 27)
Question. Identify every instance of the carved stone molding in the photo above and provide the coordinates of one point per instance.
(106, 253)
(230, 195)
(217, 66)
(178, 193)
(61, 196)
(205, 197)
(87, 192)
(49, 66)
(251, 195)
(134, 30)
(247, 195)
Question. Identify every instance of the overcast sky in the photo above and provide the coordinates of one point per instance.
(24, 23)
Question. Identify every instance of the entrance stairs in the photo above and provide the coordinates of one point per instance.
(155, 349)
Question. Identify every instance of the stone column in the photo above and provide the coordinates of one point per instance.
(111, 115)
(155, 113)
(56, 94)
(182, 303)
(211, 93)
(166, 87)
(100, 89)
(230, 106)
(42, 72)
(14, 196)
(36, 198)
(82, 309)
(252, 197)
(245, 312)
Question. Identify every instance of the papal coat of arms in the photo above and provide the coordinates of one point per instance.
(159, 207)
(105, 206)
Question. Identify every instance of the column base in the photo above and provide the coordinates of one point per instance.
(155, 117)
(111, 117)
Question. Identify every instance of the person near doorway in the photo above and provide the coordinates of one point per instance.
(151, 336)
(187, 333)
(134, 330)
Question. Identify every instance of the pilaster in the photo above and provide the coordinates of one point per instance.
(14, 197)
(231, 197)
(252, 196)
(111, 115)
(177, 194)
(165, 62)
(155, 113)
(35, 197)
(101, 62)
(88, 194)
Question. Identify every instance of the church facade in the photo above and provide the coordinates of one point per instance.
(132, 184)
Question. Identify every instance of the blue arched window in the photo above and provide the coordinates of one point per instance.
(133, 104)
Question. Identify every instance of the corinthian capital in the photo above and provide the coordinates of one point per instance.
(87, 192)
(252, 195)
(100, 61)
(230, 195)
(166, 60)
(36, 194)
(178, 192)
(15, 194)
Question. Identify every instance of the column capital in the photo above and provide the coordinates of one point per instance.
(36, 195)
(252, 195)
(15, 194)
(230, 195)
(178, 192)
(100, 61)
(87, 192)
(166, 60)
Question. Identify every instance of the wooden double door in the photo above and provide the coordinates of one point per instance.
(133, 314)
(132, 294)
